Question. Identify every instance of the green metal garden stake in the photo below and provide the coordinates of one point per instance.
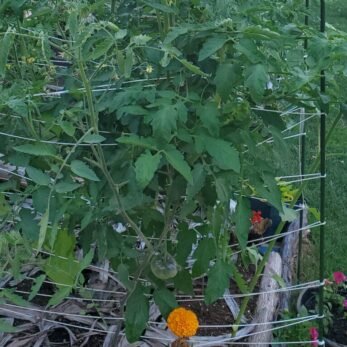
(322, 184)
(302, 166)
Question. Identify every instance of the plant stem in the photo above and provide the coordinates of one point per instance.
(99, 154)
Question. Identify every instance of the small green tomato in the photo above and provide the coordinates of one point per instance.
(164, 266)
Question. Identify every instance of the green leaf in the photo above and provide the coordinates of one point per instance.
(5, 44)
(59, 296)
(270, 190)
(139, 141)
(176, 159)
(145, 167)
(218, 281)
(5, 327)
(68, 127)
(271, 118)
(38, 176)
(174, 33)
(185, 240)
(209, 116)
(136, 314)
(259, 33)
(29, 225)
(199, 177)
(237, 277)
(62, 267)
(183, 282)
(5, 208)
(43, 229)
(140, 40)
(66, 187)
(19, 106)
(101, 49)
(123, 273)
(228, 77)
(14, 298)
(72, 24)
(223, 189)
(94, 138)
(36, 287)
(193, 68)
(256, 77)
(224, 155)
(166, 301)
(39, 149)
(205, 252)
(279, 280)
(81, 169)
(242, 219)
(164, 121)
(129, 62)
(160, 7)
(211, 46)
(288, 214)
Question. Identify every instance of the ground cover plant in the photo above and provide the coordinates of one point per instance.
(135, 119)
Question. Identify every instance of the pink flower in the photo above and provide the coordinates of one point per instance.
(339, 277)
(345, 304)
(314, 336)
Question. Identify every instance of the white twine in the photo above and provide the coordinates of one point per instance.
(181, 298)
(307, 179)
(299, 175)
(272, 237)
(285, 113)
(15, 174)
(69, 297)
(49, 36)
(56, 142)
(260, 332)
(299, 123)
(208, 326)
(270, 140)
(271, 343)
(102, 87)
(62, 313)
(314, 284)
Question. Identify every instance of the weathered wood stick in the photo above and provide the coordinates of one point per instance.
(267, 303)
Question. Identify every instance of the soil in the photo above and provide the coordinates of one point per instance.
(217, 313)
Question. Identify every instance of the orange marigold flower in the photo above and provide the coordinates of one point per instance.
(183, 322)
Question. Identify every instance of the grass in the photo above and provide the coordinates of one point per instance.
(336, 183)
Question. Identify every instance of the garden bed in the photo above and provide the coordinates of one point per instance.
(72, 326)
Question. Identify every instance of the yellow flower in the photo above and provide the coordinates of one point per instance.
(149, 69)
(183, 322)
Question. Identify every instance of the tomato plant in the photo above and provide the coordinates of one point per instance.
(142, 113)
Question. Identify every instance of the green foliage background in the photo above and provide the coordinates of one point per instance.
(161, 120)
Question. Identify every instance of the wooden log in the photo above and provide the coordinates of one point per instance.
(289, 253)
(267, 303)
